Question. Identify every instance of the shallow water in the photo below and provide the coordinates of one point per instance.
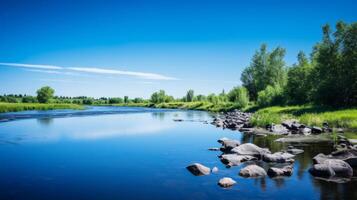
(137, 153)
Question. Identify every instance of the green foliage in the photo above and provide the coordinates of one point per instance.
(29, 99)
(126, 99)
(335, 71)
(299, 83)
(308, 114)
(190, 95)
(115, 100)
(266, 68)
(272, 95)
(44, 94)
(160, 97)
(239, 96)
(15, 107)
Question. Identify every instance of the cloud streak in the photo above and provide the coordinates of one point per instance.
(92, 70)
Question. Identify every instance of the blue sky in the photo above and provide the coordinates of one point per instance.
(117, 48)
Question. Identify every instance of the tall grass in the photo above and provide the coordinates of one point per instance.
(15, 107)
(309, 115)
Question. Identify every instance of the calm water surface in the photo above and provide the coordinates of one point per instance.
(136, 153)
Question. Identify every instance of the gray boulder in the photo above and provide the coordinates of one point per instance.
(235, 160)
(305, 131)
(295, 151)
(279, 129)
(228, 145)
(316, 130)
(332, 168)
(226, 182)
(252, 171)
(278, 157)
(249, 149)
(285, 171)
(347, 155)
(198, 169)
(214, 170)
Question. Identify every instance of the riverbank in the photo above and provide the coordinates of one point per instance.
(15, 107)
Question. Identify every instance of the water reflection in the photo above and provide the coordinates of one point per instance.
(45, 121)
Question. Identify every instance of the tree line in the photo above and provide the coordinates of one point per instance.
(327, 77)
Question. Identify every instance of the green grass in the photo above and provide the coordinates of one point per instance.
(197, 105)
(309, 115)
(15, 107)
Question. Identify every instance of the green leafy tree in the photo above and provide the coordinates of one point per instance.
(271, 96)
(266, 68)
(299, 82)
(44, 94)
(126, 99)
(190, 95)
(239, 96)
(335, 71)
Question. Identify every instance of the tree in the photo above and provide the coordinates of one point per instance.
(44, 94)
(336, 66)
(190, 95)
(160, 97)
(126, 99)
(266, 68)
(239, 96)
(299, 86)
(271, 96)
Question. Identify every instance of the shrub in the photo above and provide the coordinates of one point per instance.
(272, 95)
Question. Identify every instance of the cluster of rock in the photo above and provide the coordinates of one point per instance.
(338, 166)
(234, 154)
(291, 126)
(234, 120)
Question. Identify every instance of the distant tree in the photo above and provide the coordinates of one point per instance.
(266, 68)
(160, 97)
(44, 94)
(213, 98)
(299, 83)
(239, 96)
(126, 99)
(115, 100)
(272, 95)
(190, 95)
(201, 97)
(138, 100)
(29, 99)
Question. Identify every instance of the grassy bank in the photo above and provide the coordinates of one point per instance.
(197, 105)
(15, 107)
(310, 115)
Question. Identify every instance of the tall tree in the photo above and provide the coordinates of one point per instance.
(266, 68)
(44, 94)
(190, 95)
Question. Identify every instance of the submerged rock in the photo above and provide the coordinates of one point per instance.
(285, 171)
(214, 169)
(294, 151)
(249, 149)
(198, 169)
(234, 159)
(213, 149)
(332, 168)
(226, 182)
(252, 171)
(278, 157)
(228, 145)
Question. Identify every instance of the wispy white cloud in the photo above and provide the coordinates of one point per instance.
(54, 72)
(32, 66)
(51, 69)
(119, 72)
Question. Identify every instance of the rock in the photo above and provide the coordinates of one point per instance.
(305, 131)
(288, 123)
(252, 171)
(285, 171)
(221, 140)
(249, 149)
(332, 168)
(316, 130)
(234, 159)
(198, 169)
(178, 120)
(279, 129)
(278, 157)
(214, 170)
(295, 151)
(213, 149)
(228, 145)
(296, 126)
(226, 182)
(339, 130)
(347, 155)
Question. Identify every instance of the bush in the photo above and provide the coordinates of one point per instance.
(272, 95)
(239, 96)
